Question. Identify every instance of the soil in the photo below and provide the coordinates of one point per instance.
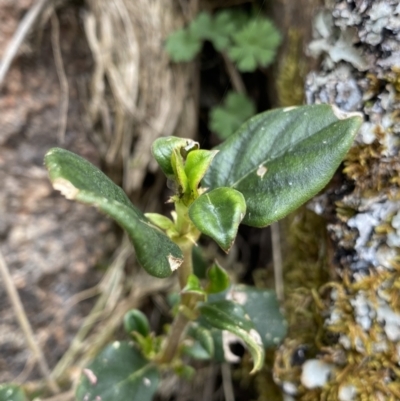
(53, 247)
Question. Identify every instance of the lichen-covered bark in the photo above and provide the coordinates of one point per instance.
(355, 353)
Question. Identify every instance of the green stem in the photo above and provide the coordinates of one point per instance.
(174, 338)
(188, 301)
(186, 268)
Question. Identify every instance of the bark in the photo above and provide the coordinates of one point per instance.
(353, 352)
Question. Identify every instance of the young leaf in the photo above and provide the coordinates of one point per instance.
(281, 158)
(255, 45)
(193, 287)
(78, 179)
(197, 163)
(118, 373)
(183, 45)
(179, 170)
(11, 392)
(218, 279)
(162, 149)
(226, 119)
(135, 320)
(230, 316)
(218, 214)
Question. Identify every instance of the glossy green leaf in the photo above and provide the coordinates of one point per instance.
(78, 179)
(263, 308)
(162, 149)
(281, 158)
(230, 316)
(197, 164)
(200, 264)
(218, 214)
(118, 373)
(11, 392)
(218, 279)
(136, 321)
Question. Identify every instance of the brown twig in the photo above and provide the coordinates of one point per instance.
(277, 259)
(20, 35)
(62, 77)
(234, 74)
(25, 325)
(227, 382)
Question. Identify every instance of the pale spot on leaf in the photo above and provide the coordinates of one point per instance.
(342, 115)
(90, 376)
(174, 262)
(261, 171)
(286, 109)
(66, 188)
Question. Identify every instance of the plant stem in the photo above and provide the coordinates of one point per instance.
(174, 338)
(186, 268)
(181, 320)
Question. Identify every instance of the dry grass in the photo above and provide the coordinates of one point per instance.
(136, 94)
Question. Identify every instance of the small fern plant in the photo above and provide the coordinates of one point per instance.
(275, 162)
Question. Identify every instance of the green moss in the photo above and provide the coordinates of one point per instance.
(291, 71)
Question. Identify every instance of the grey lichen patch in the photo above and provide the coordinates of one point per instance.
(174, 262)
(65, 187)
(359, 313)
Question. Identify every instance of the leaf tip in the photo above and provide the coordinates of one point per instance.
(65, 187)
(174, 262)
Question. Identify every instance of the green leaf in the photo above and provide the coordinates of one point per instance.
(183, 45)
(281, 158)
(193, 287)
(136, 321)
(218, 279)
(179, 170)
(162, 149)
(118, 373)
(217, 29)
(203, 347)
(197, 164)
(263, 308)
(255, 45)
(11, 392)
(218, 214)
(160, 221)
(78, 179)
(230, 316)
(226, 119)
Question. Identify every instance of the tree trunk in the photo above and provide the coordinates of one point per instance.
(345, 329)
